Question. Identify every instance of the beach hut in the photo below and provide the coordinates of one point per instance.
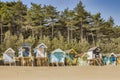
(71, 58)
(113, 58)
(82, 59)
(40, 55)
(24, 54)
(105, 58)
(118, 59)
(9, 56)
(57, 57)
(94, 56)
(94, 52)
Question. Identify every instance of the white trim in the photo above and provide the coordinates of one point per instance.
(41, 45)
(8, 50)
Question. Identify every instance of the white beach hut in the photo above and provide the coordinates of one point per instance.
(40, 55)
(8, 56)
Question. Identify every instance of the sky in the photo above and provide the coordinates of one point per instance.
(107, 8)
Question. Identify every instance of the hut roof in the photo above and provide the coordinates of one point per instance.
(112, 54)
(9, 51)
(57, 50)
(93, 48)
(42, 45)
(71, 50)
(80, 55)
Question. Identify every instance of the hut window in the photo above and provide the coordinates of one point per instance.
(25, 52)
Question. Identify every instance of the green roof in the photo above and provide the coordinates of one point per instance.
(57, 50)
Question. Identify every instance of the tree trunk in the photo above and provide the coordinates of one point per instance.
(93, 39)
(52, 30)
(1, 37)
(81, 31)
(68, 35)
(41, 33)
(71, 33)
(1, 34)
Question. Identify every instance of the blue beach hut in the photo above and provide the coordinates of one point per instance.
(113, 58)
(25, 50)
(57, 56)
(24, 54)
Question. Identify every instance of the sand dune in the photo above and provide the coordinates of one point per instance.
(60, 73)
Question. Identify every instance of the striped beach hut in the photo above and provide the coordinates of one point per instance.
(57, 57)
(9, 56)
(71, 57)
(40, 55)
(118, 59)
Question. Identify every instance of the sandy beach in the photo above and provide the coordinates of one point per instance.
(60, 73)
